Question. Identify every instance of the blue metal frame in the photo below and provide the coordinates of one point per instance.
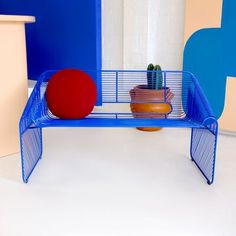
(190, 109)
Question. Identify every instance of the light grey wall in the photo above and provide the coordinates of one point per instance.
(136, 33)
(112, 40)
(166, 33)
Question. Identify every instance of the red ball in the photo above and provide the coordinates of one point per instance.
(71, 94)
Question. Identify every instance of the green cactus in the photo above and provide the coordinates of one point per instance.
(159, 77)
(150, 76)
(155, 78)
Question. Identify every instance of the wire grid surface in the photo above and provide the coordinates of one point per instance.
(117, 85)
(115, 91)
(190, 108)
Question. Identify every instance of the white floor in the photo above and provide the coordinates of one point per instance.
(118, 182)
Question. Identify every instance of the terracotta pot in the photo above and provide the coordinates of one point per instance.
(148, 103)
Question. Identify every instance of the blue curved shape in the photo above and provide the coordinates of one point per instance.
(210, 55)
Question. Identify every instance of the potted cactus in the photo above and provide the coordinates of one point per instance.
(151, 100)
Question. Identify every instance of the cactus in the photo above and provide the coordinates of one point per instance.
(150, 76)
(159, 77)
(154, 79)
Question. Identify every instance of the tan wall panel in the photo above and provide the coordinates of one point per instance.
(228, 119)
(13, 80)
(201, 14)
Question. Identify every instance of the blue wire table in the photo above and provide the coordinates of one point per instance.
(190, 109)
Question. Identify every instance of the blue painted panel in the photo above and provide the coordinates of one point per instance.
(210, 55)
(66, 34)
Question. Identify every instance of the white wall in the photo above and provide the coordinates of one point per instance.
(136, 33)
(166, 33)
(112, 40)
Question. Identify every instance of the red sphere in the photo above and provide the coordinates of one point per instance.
(71, 94)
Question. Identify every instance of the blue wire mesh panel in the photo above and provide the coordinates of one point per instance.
(31, 150)
(30, 138)
(117, 85)
(189, 108)
(203, 150)
(115, 93)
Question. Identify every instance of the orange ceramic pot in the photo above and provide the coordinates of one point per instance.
(148, 103)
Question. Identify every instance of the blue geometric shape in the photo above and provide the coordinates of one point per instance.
(66, 33)
(210, 55)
